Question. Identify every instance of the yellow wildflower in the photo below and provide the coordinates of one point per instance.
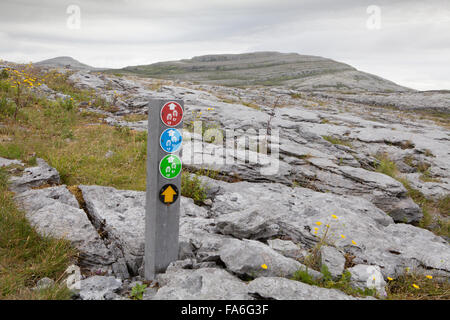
(334, 216)
(318, 223)
(264, 266)
(342, 236)
(353, 241)
(429, 277)
(415, 286)
(389, 278)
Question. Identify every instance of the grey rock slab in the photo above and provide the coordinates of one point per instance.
(249, 223)
(200, 284)
(400, 100)
(149, 293)
(7, 162)
(246, 258)
(298, 115)
(138, 125)
(419, 247)
(55, 212)
(284, 289)
(333, 259)
(367, 276)
(247, 210)
(204, 246)
(308, 166)
(35, 177)
(113, 296)
(432, 190)
(287, 248)
(65, 222)
(98, 287)
(44, 283)
(385, 192)
(121, 213)
(86, 80)
(33, 200)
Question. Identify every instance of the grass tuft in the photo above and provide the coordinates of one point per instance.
(417, 287)
(435, 212)
(334, 140)
(193, 187)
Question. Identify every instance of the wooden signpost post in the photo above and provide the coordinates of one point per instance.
(162, 212)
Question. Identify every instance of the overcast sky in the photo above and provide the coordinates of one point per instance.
(407, 42)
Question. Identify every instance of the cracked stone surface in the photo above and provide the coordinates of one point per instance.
(7, 162)
(282, 212)
(34, 177)
(333, 259)
(305, 157)
(55, 212)
(200, 284)
(98, 287)
(270, 214)
(284, 289)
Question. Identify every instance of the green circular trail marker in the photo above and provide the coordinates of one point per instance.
(170, 166)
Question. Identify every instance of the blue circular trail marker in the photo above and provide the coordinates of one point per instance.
(171, 140)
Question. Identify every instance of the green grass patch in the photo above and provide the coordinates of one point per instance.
(251, 105)
(435, 212)
(82, 148)
(326, 281)
(69, 141)
(417, 287)
(334, 140)
(26, 256)
(134, 117)
(386, 165)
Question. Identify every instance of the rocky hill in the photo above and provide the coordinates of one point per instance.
(291, 70)
(65, 62)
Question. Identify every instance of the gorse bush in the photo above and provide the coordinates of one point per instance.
(21, 82)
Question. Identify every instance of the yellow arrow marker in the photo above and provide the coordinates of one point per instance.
(168, 194)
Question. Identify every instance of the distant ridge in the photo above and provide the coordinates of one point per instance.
(62, 62)
(268, 68)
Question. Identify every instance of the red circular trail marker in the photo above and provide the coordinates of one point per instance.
(171, 114)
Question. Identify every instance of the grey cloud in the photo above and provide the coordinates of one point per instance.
(120, 32)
